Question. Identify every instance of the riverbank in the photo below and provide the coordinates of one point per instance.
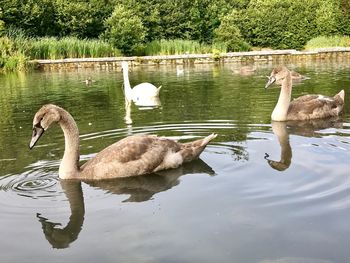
(280, 56)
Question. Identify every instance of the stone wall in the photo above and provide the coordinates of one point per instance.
(278, 56)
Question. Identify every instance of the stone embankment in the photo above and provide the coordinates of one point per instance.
(278, 56)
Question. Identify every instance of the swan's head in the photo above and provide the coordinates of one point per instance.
(277, 75)
(43, 119)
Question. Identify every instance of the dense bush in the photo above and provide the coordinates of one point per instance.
(124, 30)
(230, 34)
(131, 24)
(288, 23)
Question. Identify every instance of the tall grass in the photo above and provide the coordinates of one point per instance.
(70, 47)
(328, 42)
(178, 47)
(16, 49)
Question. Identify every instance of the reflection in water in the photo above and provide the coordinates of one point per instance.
(62, 237)
(147, 104)
(302, 128)
(280, 130)
(140, 188)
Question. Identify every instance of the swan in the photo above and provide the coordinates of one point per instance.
(141, 92)
(296, 75)
(305, 107)
(131, 156)
(245, 71)
(179, 70)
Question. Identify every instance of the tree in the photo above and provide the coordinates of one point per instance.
(2, 23)
(230, 34)
(124, 30)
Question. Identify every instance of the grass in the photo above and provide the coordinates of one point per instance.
(16, 49)
(70, 47)
(179, 47)
(328, 42)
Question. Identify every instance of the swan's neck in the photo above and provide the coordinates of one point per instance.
(69, 166)
(281, 108)
(127, 87)
(280, 129)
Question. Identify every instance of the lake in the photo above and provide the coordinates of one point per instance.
(261, 191)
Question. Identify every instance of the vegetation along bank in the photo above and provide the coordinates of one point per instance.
(61, 29)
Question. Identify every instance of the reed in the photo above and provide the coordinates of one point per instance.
(70, 47)
(179, 47)
(328, 42)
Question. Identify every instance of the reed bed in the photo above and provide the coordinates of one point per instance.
(328, 42)
(179, 47)
(16, 50)
(70, 47)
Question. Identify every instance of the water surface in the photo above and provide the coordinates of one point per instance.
(261, 192)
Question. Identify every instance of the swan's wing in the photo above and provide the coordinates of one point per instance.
(134, 155)
(317, 105)
(145, 88)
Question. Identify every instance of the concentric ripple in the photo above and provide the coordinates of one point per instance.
(34, 183)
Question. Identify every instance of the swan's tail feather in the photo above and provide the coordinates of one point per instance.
(207, 139)
(159, 89)
(191, 150)
(340, 95)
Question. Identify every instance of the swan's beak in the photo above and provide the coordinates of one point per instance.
(271, 80)
(37, 132)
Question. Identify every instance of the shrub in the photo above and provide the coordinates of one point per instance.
(124, 30)
(287, 24)
(230, 34)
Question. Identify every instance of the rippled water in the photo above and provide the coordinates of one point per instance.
(261, 192)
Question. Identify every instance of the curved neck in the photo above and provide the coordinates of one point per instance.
(69, 166)
(62, 237)
(281, 109)
(127, 87)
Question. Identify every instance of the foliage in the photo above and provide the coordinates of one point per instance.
(124, 30)
(328, 42)
(178, 46)
(230, 34)
(265, 23)
(2, 23)
(69, 47)
(130, 24)
(11, 56)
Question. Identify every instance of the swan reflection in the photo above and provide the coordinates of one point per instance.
(139, 189)
(147, 104)
(302, 128)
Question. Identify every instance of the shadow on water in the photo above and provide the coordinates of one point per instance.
(302, 128)
(139, 188)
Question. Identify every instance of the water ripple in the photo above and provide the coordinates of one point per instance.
(35, 183)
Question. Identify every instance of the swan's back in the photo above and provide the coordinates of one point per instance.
(141, 154)
(315, 107)
(146, 90)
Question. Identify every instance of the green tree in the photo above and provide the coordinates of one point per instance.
(2, 23)
(288, 23)
(124, 30)
(230, 34)
(36, 17)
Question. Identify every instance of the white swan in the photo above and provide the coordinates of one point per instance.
(142, 93)
(180, 70)
(306, 107)
(131, 156)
